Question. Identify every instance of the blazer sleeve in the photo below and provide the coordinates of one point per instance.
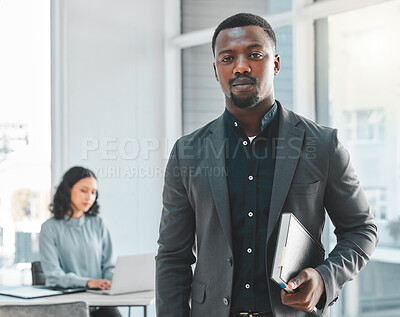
(176, 241)
(350, 213)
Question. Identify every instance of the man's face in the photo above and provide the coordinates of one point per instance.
(245, 66)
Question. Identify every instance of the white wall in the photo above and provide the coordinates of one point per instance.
(108, 61)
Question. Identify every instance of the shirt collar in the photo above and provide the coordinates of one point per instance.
(74, 221)
(269, 116)
(265, 121)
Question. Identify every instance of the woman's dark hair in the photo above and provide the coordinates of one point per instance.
(62, 198)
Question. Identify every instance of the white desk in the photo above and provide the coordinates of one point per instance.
(138, 299)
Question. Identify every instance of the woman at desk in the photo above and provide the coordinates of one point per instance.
(75, 244)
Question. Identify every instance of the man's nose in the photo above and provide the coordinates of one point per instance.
(241, 66)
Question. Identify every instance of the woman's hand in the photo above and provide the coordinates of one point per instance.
(101, 284)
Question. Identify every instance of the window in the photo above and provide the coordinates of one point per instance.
(357, 74)
(24, 134)
(284, 80)
(378, 202)
(201, 14)
(365, 126)
(202, 97)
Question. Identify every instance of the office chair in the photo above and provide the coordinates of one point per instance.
(38, 277)
(76, 309)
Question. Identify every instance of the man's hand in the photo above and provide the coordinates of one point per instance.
(101, 284)
(308, 286)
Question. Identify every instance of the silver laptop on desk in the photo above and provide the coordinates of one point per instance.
(133, 273)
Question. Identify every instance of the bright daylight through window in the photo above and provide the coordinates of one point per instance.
(24, 134)
(358, 52)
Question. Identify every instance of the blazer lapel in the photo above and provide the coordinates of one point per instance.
(216, 156)
(288, 149)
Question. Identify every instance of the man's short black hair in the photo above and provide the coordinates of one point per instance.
(244, 19)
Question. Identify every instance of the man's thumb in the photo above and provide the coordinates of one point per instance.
(295, 282)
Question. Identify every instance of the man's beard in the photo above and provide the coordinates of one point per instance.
(248, 102)
(245, 103)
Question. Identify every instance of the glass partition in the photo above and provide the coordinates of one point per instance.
(358, 87)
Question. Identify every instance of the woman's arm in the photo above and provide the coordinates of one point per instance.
(49, 259)
(107, 259)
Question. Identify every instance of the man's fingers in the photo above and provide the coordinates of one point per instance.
(292, 298)
(293, 284)
(297, 280)
(309, 289)
(297, 300)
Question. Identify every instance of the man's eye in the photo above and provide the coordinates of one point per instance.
(255, 55)
(226, 59)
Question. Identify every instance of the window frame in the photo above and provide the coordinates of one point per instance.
(59, 101)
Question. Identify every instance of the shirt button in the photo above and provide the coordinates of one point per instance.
(249, 250)
(226, 301)
(250, 214)
(244, 142)
(230, 262)
(235, 124)
(251, 178)
(247, 286)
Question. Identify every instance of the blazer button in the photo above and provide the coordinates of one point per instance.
(229, 261)
(226, 301)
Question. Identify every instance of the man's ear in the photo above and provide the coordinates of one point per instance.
(215, 72)
(277, 64)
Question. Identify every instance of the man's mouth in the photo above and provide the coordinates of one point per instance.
(242, 84)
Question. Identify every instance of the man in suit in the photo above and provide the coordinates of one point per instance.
(227, 183)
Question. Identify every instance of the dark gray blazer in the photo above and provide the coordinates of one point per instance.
(312, 174)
